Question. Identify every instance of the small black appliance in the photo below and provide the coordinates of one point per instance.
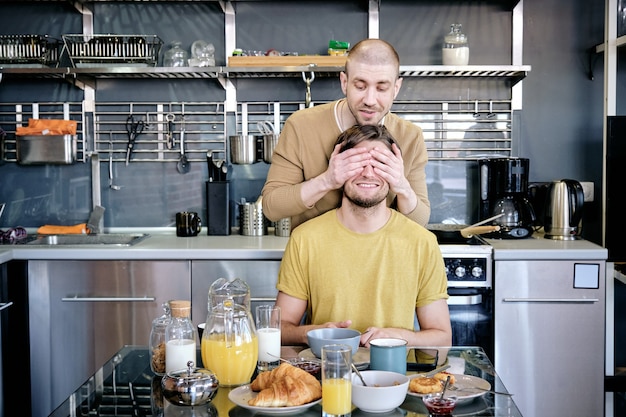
(504, 191)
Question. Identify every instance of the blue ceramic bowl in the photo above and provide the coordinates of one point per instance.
(332, 336)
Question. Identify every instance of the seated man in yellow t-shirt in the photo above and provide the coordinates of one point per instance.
(364, 265)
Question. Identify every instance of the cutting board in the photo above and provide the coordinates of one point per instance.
(286, 61)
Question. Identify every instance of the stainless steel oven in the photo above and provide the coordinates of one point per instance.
(469, 267)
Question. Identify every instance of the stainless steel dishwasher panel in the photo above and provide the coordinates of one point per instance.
(549, 333)
(82, 312)
(261, 276)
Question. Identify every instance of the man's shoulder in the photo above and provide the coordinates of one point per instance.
(316, 223)
(395, 123)
(411, 227)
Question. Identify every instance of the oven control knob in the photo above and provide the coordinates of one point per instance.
(459, 271)
(477, 271)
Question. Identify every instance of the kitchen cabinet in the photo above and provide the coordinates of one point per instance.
(82, 312)
(261, 276)
(542, 309)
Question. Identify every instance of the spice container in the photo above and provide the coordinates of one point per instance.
(157, 341)
(180, 337)
(455, 49)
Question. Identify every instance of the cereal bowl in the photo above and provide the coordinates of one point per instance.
(384, 392)
(332, 336)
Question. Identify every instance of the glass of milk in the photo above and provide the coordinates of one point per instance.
(455, 49)
(268, 334)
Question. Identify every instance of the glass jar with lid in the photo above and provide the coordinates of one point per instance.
(180, 337)
(455, 49)
(157, 340)
(175, 56)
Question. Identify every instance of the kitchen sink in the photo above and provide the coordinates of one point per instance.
(108, 239)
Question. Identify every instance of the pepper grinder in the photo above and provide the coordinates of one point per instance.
(455, 49)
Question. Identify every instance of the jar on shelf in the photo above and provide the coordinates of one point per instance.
(175, 55)
(180, 337)
(455, 49)
(157, 340)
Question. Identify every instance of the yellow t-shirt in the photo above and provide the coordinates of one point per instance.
(375, 279)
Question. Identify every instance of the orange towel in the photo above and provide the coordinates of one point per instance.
(50, 229)
(47, 127)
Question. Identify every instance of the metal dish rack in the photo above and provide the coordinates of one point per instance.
(112, 50)
(29, 51)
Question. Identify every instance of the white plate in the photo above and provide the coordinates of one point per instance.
(361, 358)
(465, 388)
(241, 396)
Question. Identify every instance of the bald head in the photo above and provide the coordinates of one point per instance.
(373, 52)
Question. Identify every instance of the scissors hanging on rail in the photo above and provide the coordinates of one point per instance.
(133, 128)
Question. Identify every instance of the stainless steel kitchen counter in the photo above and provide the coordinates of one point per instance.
(539, 248)
(169, 246)
(160, 246)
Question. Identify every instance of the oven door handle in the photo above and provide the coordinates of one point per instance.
(465, 300)
(550, 300)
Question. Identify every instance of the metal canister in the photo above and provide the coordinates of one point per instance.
(283, 227)
(251, 220)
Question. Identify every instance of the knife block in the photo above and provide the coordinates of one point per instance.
(218, 216)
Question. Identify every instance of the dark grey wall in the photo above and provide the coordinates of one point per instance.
(563, 109)
(561, 121)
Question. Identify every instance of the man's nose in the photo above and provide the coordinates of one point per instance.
(368, 171)
(370, 96)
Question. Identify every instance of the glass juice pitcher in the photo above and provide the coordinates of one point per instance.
(229, 343)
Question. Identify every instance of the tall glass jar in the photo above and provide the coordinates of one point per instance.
(455, 49)
(157, 340)
(180, 337)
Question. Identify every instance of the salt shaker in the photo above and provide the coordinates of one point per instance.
(180, 337)
(157, 341)
(455, 49)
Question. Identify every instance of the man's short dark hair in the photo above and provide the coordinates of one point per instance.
(359, 133)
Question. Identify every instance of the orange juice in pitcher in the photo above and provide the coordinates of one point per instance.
(233, 365)
(229, 344)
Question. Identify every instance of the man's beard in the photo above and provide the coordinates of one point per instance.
(365, 202)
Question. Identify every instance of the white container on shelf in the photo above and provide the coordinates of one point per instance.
(455, 49)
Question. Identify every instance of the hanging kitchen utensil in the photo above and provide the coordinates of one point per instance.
(210, 166)
(169, 135)
(183, 166)
(133, 128)
(111, 185)
(308, 81)
(265, 127)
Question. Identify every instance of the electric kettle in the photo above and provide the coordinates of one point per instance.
(563, 210)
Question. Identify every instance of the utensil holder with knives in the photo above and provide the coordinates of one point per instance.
(218, 213)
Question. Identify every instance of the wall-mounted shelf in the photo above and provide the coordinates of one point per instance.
(512, 72)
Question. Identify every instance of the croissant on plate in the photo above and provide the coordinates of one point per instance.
(285, 386)
(267, 378)
(287, 392)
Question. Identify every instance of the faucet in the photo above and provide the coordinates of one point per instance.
(95, 222)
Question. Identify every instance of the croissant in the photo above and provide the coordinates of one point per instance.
(288, 392)
(266, 379)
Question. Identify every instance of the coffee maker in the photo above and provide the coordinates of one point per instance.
(504, 192)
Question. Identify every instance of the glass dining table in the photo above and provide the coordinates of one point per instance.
(126, 386)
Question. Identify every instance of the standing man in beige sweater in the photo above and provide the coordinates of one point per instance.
(307, 170)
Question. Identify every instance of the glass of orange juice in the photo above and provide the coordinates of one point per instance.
(336, 380)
